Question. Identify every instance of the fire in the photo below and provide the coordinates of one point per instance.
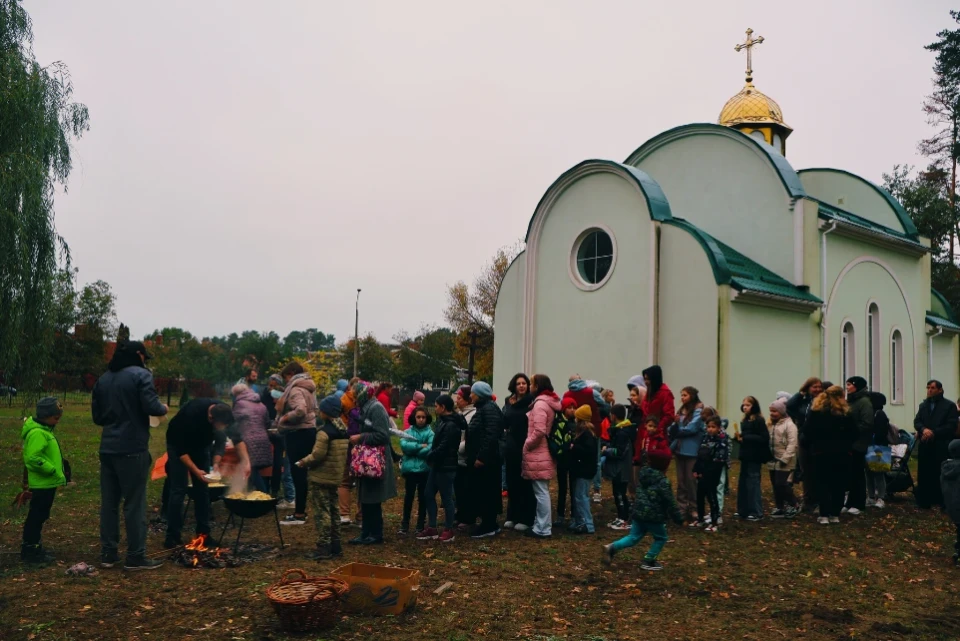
(198, 544)
(196, 560)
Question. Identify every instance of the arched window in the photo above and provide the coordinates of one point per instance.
(896, 367)
(873, 347)
(848, 352)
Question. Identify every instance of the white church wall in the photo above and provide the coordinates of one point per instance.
(858, 275)
(602, 334)
(945, 358)
(727, 187)
(688, 319)
(851, 193)
(508, 325)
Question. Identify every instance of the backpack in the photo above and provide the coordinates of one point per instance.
(560, 437)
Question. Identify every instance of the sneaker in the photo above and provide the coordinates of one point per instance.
(428, 534)
(559, 522)
(322, 553)
(777, 514)
(853, 511)
(607, 558)
(463, 527)
(790, 512)
(708, 519)
(403, 531)
(109, 560)
(719, 520)
(834, 519)
(520, 527)
(710, 528)
(509, 525)
(142, 564)
(651, 565)
(753, 519)
(482, 533)
(533, 535)
(879, 504)
(344, 520)
(580, 529)
(823, 520)
(871, 503)
(621, 525)
(695, 524)
(293, 519)
(844, 510)
(447, 536)
(290, 505)
(596, 497)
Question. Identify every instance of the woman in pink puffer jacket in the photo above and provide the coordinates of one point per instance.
(538, 465)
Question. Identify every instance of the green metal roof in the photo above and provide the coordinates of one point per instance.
(940, 306)
(936, 321)
(832, 212)
(908, 227)
(730, 267)
(788, 176)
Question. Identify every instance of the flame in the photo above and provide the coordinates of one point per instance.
(196, 561)
(197, 544)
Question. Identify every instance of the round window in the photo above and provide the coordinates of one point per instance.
(594, 256)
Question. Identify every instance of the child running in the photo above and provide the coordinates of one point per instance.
(617, 463)
(583, 465)
(712, 459)
(654, 502)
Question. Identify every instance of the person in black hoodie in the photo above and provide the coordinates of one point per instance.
(798, 408)
(831, 431)
(442, 459)
(482, 453)
(754, 440)
(861, 408)
(936, 425)
(521, 503)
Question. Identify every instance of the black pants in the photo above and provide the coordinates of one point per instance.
(39, 512)
(277, 442)
(810, 492)
(372, 520)
(782, 489)
(178, 476)
(707, 490)
(620, 498)
(521, 503)
(416, 483)
(564, 487)
(857, 481)
(956, 545)
(928, 491)
(833, 472)
(461, 495)
(299, 444)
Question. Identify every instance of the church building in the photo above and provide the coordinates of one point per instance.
(707, 253)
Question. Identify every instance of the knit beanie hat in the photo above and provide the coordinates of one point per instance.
(858, 382)
(659, 460)
(567, 403)
(48, 407)
(780, 406)
(785, 396)
(482, 389)
(331, 406)
(418, 396)
(583, 413)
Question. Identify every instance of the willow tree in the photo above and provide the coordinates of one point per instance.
(38, 120)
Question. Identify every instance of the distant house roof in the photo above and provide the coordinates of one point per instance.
(730, 267)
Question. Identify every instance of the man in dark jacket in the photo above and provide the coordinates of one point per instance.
(936, 425)
(124, 399)
(861, 410)
(483, 460)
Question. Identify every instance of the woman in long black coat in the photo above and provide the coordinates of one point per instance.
(483, 460)
(521, 504)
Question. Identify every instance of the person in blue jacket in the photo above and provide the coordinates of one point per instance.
(685, 435)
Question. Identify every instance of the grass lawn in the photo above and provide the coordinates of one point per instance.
(883, 575)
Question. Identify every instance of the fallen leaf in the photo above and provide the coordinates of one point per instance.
(888, 596)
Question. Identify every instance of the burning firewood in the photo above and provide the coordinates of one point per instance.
(196, 554)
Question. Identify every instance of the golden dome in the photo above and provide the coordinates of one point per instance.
(752, 107)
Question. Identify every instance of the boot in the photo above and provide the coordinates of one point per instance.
(335, 548)
(34, 554)
(322, 553)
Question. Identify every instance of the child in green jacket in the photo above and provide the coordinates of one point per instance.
(41, 457)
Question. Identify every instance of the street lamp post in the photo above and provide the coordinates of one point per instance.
(356, 336)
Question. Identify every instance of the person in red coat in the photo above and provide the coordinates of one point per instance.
(658, 402)
(579, 391)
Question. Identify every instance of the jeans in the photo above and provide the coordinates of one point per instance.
(639, 529)
(286, 478)
(299, 444)
(620, 498)
(832, 472)
(416, 484)
(179, 474)
(749, 496)
(124, 477)
(503, 478)
(565, 480)
(372, 520)
(542, 524)
(876, 485)
(442, 482)
(782, 488)
(581, 504)
(857, 481)
(39, 512)
(707, 487)
(686, 485)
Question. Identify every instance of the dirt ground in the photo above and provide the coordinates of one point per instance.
(884, 575)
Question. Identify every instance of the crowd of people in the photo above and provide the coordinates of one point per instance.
(474, 452)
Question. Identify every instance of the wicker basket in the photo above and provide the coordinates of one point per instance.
(306, 603)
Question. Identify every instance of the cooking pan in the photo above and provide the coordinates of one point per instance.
(250, 509)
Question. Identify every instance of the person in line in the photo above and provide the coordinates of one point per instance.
(325, 465)
(482, 451)
(618, 463)
(877, 481)
(280, 476)
(443, 461)
(712, 458)
(538, 465)
(417, 401)
(685, 435)
(636, 393)
(830, 432)
(521, 503)
(251, 421)
(936, 425)
(581, 392)
(754, 453)
(652, 439)
(653, 504)
(583, 464)
(297, 422)
(783, 448)
(414, 468)
(560, 438)
(351, 418)
(123, 401)
(861, 408)
(706, 414)
(44, 468)
(950, 487)
(194, 437)
(375, 426)
(798, 408)
(465, 516)
(658, 401)
(384, 394)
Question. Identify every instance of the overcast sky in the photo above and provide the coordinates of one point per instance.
(251, 164)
